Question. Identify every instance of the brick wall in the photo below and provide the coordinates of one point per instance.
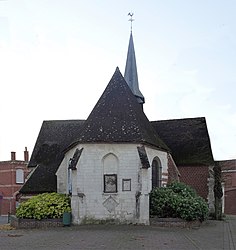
(230, 202)
(196, 177)
(173, 172)
(8, 184)
(32, 223)
(174, 222)
(228, 169)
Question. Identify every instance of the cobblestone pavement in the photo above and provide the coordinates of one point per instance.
(212, 235)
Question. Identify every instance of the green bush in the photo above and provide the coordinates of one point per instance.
(44, 206)
(182, 189)
(178, 200)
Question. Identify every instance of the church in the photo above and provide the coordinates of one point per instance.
(110, 162)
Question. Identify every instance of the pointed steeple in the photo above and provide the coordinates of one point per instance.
(131, 74)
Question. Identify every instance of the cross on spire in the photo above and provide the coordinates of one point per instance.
(131, 19)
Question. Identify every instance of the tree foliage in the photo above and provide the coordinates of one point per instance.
(44, 206)
(178, 200)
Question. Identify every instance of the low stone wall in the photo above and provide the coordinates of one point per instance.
(174, 222)
(46, 223)
(33, 223)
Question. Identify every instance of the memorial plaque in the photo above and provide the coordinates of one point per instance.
(126, 184)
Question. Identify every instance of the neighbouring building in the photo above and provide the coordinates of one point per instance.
(111, 161)
(228, 176)
(13, 174)
(190, 145)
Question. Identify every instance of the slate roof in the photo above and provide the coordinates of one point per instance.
(53, 138)
(131, 74)
(188, 140)
(118, 118)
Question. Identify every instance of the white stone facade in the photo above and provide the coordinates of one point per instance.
(128, 202)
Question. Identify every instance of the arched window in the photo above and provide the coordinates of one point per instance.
(110, 168)
(156, 173)
(19, 176)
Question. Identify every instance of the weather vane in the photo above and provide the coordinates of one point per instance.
(131, 19)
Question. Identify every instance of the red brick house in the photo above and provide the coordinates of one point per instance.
(13, 174)
(228, 172)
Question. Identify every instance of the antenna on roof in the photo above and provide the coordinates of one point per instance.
(131, 19)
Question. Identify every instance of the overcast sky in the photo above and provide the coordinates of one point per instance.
(57, 56)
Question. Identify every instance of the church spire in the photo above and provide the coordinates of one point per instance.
(131, 75)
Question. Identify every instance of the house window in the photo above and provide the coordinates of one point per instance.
(156, 173)
(110, 183)
(19, 176)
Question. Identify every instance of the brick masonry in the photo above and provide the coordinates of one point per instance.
(174, 222)
(228, 174)
(9, 186)
(49, 223)
(173, 172)
(196, 177)
(33, 223)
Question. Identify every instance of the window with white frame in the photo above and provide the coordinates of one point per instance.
(19, 176)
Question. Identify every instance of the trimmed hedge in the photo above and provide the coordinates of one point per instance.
(178, 200)
(44, 206)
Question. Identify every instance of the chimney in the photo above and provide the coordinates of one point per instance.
(13, 156)
(26, 155)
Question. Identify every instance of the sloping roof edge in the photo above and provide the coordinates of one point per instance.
(188, 139)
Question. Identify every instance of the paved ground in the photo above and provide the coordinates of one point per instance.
(213, 235)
